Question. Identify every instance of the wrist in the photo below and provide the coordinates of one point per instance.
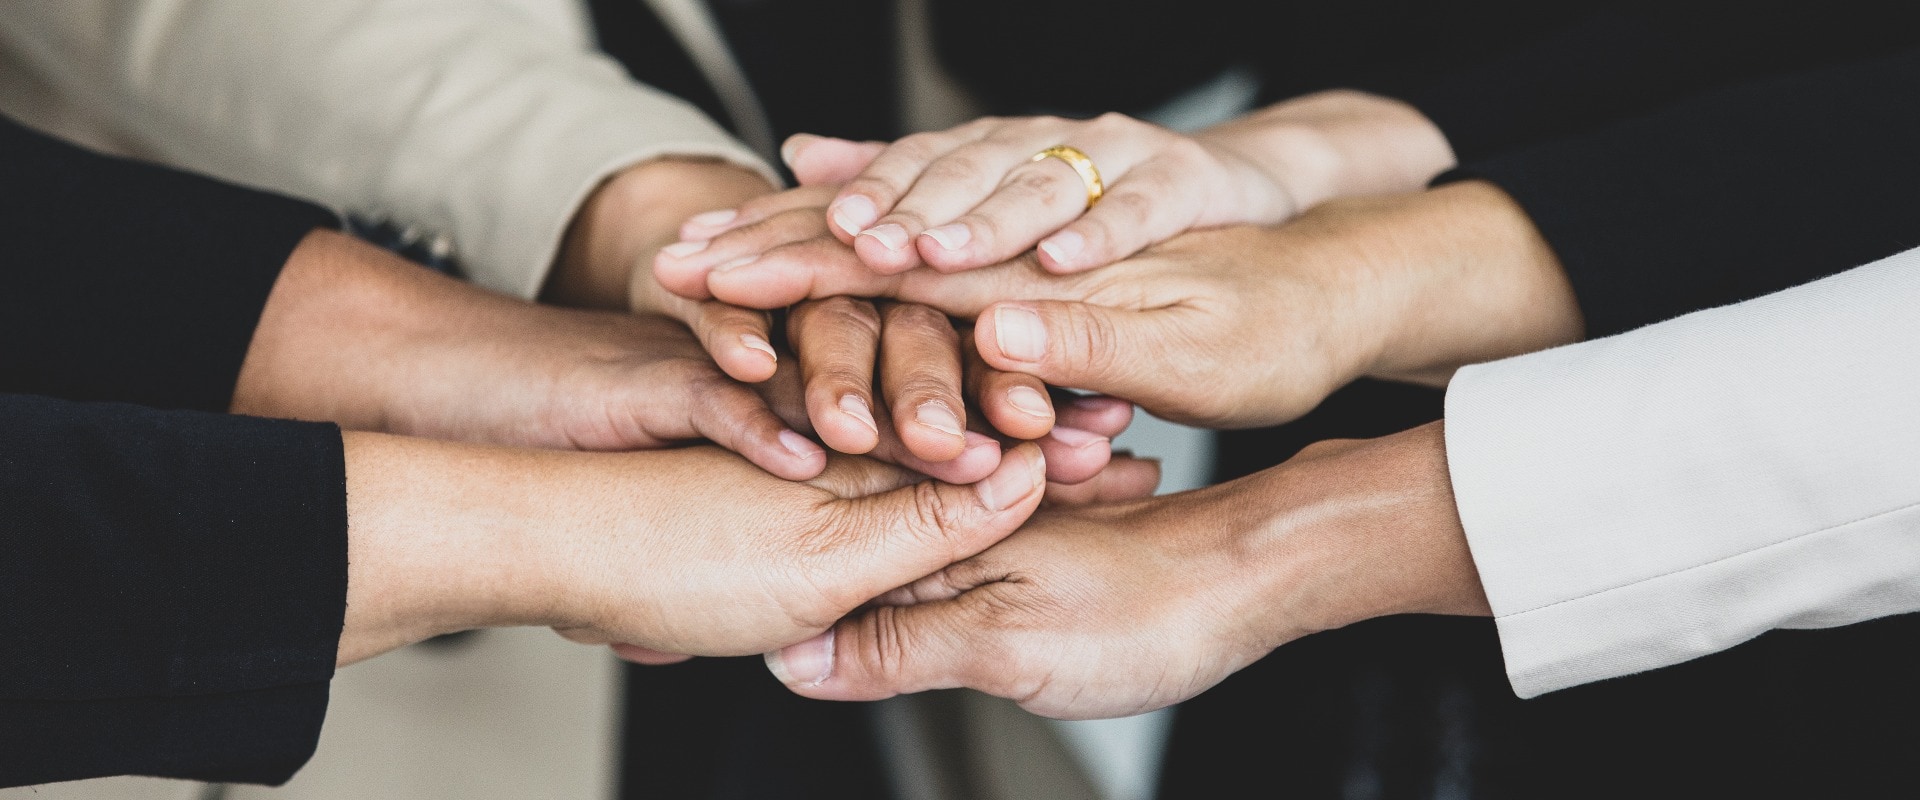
(1369, 529)
(605, 258)
(1470, 280)
(441, 538)
(1337, 143)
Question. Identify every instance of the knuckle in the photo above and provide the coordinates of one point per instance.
(913, 316)
(963, 166)
(934, 522)
(1047, 187)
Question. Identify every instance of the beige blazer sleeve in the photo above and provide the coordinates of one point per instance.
(1660, 495)
(483, 121)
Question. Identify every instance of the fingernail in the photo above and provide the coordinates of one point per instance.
(684, 249)
(1076, 438)
(1019, 333)
(794, 144)
(798, 445)
(855, 406)
(892, 236)
(951, 237)
(1063, 247)
(809, 663)
(1030, 401)
(1007, 485)
(936, 415)
(738, 262)
(713, 219)
(854, 214)
(755, 342)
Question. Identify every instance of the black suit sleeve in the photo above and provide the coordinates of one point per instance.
(172, 582)
(131, 282)
(172, 591)
(1729, 196)
(1633, 57)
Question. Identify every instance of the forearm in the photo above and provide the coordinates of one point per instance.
(1337, 143)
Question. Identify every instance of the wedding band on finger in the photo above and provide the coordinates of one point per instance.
(1081, 164)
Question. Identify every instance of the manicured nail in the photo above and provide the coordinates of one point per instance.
(936, 415)
(684, 249)
(738, 262)
(755, 342)
(809, 663)
(1076, 438)
(798, 445)
(855, 406)
(794, 145)
(713, 219)
(1019, 333)
(1063, 247)
(951, 237)
(890, 236)
(1009, 483)
(854, 214)
(1030, 401)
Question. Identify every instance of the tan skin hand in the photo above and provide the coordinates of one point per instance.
(688, 551)
(1239, 326)
(1117, 610)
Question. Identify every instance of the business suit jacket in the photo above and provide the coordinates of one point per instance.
(174, 579)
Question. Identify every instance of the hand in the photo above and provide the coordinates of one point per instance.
(687, 551)
(1230, 328)
(353, 335)
(971, 196)
(1118, 610)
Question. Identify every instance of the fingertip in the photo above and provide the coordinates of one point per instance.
(1011, 336)
(1064, 252)
(794, 147)
(804, 665)
(748, 361)
(644, 656)
(886, 249)
(850, 214)
(1023, 412)
(1022, 476)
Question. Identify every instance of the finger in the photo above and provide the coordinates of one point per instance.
(836, 342)
(817, 268)
(1084, 346)
(878, 187)
(920, 378)
(947, 187)
(1015, 404)
(1124, 478)
(898, 649)
(817, 160)
(977, 461)
(1074, 455)
(737, 338)
(1153, 203)
(642, 655)
(1097, 414)
(735, 417)
(683, 267)
(1034, 199)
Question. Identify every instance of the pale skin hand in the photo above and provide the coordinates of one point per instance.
(1230, 328)
(639, 214)
(1118, 610)
(688, 551)
(971, 197)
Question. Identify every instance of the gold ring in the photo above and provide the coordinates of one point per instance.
(1089, 174)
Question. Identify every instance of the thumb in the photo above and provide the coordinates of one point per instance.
(1080, 345)
(887, 651)
(907, 533)
(821, 159)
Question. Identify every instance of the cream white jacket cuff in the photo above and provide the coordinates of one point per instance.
(1653, 497)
